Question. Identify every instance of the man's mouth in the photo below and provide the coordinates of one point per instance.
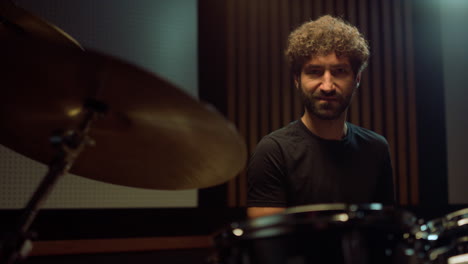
(327, 98)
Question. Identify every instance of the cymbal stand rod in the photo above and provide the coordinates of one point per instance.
(17, 245)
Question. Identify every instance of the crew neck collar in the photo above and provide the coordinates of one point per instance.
(345, 138)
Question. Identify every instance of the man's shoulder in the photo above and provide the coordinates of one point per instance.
(364, 134)
(290, 133)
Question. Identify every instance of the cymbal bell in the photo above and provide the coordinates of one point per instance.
(153, 136)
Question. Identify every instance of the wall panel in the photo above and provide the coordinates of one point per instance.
(262, 94)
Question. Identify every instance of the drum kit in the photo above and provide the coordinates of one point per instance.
(345, 234)
(99, 117)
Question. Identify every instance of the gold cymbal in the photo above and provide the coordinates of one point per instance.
(16, 20)
(153, 135)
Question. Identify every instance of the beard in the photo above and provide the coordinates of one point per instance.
(325, 109)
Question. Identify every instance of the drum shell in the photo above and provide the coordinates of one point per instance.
(327, 236)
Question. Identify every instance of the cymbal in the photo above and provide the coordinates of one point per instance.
(16, 20)
(153, 136)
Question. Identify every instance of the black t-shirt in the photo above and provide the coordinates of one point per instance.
(292, 166)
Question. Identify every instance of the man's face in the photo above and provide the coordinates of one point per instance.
(327, 85)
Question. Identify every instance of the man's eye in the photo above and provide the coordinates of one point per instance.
(314, 72)
(340, 71)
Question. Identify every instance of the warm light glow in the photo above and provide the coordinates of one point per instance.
(419, 235)
(341, 217)
(460, 259)
(238, 232)
(74, 111)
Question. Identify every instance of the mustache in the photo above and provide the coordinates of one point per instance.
(326, 96)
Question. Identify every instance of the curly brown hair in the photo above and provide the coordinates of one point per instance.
(323, 36)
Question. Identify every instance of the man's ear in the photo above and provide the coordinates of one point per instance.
(296, 82)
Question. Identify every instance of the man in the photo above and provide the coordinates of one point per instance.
(321, 158)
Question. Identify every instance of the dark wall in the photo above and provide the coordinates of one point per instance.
(212, 77)
(430, 103)
(424, 22)
(242, 45)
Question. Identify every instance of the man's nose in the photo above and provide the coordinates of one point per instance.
(327, 83)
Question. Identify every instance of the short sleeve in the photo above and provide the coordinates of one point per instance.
(266, 176)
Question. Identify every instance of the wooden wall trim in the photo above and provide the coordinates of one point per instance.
(93, 246)
(400, 105)
(412, 148)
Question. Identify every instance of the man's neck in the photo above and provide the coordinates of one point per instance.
(327, 129)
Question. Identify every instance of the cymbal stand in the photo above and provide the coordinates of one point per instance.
(17, 245)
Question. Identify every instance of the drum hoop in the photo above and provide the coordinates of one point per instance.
(334, 207)
(463, 213)
(337, 214)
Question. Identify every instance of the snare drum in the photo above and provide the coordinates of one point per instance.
(447, 238)
(324, 233)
